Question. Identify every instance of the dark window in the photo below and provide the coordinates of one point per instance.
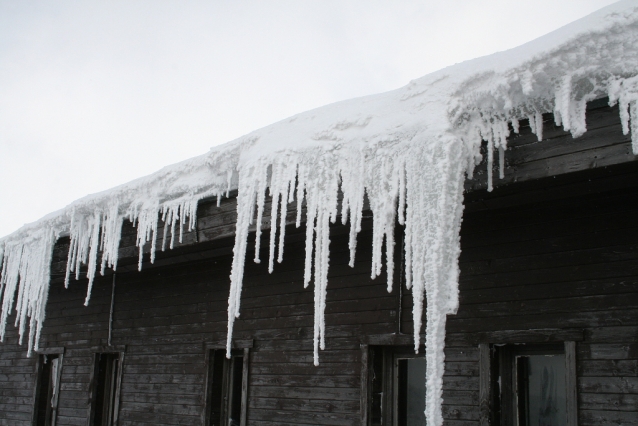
(105, 392)
(226, 392)
(531, 384)
(47, 389)
(396, 386)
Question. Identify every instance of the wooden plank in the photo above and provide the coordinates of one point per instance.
(90, 402)
(627, 385)
(608, 367)
(485, 385)
(118, 387)
(36, 390)
(604, 417)
(236, 344)
(392, 339)
(608, 402)
(244, 386)
(461, 413)
(571, 383)
(610, 351)
(365, 393)
(541, 335)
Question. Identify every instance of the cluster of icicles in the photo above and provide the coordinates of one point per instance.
(417, 183)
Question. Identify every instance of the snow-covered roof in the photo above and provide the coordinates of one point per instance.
(408, 150)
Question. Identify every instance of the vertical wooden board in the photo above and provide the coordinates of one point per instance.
(244, 387)
(365, 392)
(36, 389)
(571, 383)
(485, 384)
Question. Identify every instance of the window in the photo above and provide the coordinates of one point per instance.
(396, 386)
(105, 388)
(529, 384)
(47, 389)
(226, 394)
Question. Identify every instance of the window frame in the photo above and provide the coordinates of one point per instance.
(96, 352)
(243, 349)
(394, 348)
(538, 341)
(37, 383)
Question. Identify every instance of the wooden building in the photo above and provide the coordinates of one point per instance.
(549, 266)
(546, 283)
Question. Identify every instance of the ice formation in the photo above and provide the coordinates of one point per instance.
(407, 150)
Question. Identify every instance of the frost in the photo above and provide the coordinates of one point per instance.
(408, 151)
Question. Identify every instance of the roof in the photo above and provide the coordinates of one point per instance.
(408, 150)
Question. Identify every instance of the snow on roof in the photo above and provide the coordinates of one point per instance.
(408, 150)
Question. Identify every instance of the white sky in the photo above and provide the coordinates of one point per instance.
(94, 94)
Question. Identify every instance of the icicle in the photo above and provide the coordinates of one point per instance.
(515, 124)
(93, 244)
(70, 263)
(490, 162)
(383, 181)
(434, 199)
(283, 211)
(563, 104)
(634, 126)
(182, 221)
(401, 209)
(538, 125)
(246, 198)
(625, 92)
(301, 188)
(353, 188)
(192, 214)
(501, 132)
(25, 269)
(275, 195)
(147, 221)
(501, 162)
(261, 199)
(287, 195)
(166, 218)
(174, 219)
(112, 234)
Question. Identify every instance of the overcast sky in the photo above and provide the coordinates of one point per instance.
(96, 93)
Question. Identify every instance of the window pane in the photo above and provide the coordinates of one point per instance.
(376, 385)
(105, 388)
(215, 383)
(412, 392)
(542, 393)
(235, 391)
(47, 388)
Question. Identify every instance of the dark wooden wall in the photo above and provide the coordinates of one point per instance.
(551, 253)
(554, 254)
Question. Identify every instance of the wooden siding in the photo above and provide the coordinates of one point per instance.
(551, 253)
(560, 255)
